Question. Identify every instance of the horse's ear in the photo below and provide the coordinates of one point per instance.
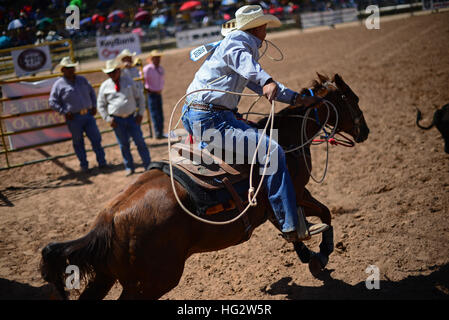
(338, 80)
(322, 78)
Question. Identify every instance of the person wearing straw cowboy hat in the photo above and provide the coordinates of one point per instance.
(154, 76)
(73, 96)
(126, 58)
(232, 66)
(122, 104)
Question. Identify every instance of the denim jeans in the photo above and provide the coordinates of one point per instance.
(77, 126)
(224, 124)
(157, 115)
(126, 128)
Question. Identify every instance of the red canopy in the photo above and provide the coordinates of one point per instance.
(189, 5)
(98, 18)
(142, 15)
(116, 15)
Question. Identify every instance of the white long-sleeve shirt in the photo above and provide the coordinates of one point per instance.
(133, 73)
(122, 103)
(233, 66)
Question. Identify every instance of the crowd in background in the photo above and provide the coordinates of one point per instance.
(44, 20)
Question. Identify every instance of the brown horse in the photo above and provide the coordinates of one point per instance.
(142, 238)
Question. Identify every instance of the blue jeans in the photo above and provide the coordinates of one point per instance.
(77, 126)
(126, 128)
(224, 124)
(157, 115)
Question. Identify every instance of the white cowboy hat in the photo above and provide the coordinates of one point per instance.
(111, 65)
(156, 53)
(67, 62)
(125, 53)
(227, 27)
(250, 16)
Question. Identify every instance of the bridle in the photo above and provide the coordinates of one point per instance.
(356, 117)
(328, 137)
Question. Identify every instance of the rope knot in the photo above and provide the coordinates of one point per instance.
(251, 199)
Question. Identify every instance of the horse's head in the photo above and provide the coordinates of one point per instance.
(350, 117)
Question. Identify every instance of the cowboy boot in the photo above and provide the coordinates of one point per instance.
(306, 229)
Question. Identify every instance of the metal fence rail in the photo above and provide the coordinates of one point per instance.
(57, 52)
(6, 150)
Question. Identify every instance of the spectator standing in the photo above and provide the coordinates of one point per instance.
(39, 37)
(73, 96)
(154, 75)
(122, 104)
(126, 58)
(5, 41)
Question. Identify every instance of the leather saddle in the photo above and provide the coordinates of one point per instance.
(213, 175)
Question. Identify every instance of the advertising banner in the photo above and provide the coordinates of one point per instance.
(110, 46)
(23, 105)
(32, 60)
(196, 37)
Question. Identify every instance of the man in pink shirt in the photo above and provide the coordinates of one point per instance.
(154, 74)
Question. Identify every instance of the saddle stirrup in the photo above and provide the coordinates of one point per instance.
(302, 229)
(305, 229)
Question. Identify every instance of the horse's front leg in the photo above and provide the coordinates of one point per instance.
(313, 207)
(304, 254)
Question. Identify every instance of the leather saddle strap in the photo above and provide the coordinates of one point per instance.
(239, 205)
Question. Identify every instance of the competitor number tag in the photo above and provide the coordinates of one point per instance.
(199, 52)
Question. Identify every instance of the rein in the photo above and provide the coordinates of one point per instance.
(344, 141)
(327, 137)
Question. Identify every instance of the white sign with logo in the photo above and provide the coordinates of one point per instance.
(32, 60)
(110, 46)
(21, 105)
(196, 37)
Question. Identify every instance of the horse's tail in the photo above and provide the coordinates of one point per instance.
(88, 253)
(419, 117)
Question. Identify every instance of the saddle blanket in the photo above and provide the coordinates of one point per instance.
(206, 201)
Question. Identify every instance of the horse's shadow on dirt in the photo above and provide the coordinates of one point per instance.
(432, 286)
(72, 178)
(13, 290)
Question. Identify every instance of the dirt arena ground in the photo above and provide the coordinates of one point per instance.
(388, 195)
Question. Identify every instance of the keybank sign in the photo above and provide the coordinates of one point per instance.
(117, 41)
(110, 46)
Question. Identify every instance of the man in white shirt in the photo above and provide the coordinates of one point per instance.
(233, 66)
(129, 65)
(122, 104)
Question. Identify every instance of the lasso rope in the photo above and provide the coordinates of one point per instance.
(304, 135)
(252, 194)
(309, 141)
